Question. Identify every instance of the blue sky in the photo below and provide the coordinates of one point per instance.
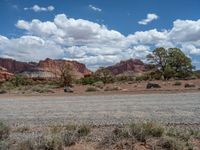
(97, 32)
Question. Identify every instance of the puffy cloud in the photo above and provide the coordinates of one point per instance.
(185, 30)
(37, 8)
(28, 48)
(95, 8)
(150, 18)
(148, 37)
(191, 49)
(92, 43)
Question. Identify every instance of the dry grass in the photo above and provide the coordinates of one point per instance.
(149, 134)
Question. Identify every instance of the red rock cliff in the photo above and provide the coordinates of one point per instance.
(132, 66)
(45, 68)
(54, 66)
(4, 74)
(14, 66)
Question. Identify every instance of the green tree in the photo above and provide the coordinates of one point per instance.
(181, 64)
(104, 75)
(66, 75)
(171, 62)
(159, 58)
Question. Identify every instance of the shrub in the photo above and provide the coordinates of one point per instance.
(7, 86)
(21, 81)
(69, 138)
(26, 145)
(88, 80)
(142, 130)
(4, 131)
(177, 83)
(172, 143)
(2, 91)
(189, 85)
(182, 134)
(51, 142)
(91, 89)
(73, 134)
(104, 75)
(99, 84)
(83, 130)
(120, 133)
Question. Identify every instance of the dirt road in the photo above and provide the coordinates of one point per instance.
(168, 108)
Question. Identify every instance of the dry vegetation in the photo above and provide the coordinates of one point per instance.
(136, 136)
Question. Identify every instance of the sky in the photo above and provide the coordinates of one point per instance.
(98, 32)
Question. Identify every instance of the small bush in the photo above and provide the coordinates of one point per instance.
(26, 145)
(182, 134)
(120, 133)
(73, 134)
(189, 85)
(172, 143)
(88, 80)
(2, 91)
(4, 131)
(99, 84)
(83, 130)
(69, 138)
(6, 86)
(91, 89)
(142, 130)
(51, 142)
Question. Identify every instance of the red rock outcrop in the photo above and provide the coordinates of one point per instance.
(14, 66)
(129, 67)
(47, 68)
(54, 66)
(4, 74)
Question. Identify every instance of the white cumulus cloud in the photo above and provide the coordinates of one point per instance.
(94, 44)
(37, 8)
(150, 18)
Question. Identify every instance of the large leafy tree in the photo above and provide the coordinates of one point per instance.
(181, 64)
(171, 62)
(159, 58)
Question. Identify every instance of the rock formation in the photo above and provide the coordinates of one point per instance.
(129, 67)
(4, 74)
(47, 68)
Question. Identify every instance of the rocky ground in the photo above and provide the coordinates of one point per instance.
(32, 117)
(110, 109)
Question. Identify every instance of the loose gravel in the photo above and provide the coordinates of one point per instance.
(101, 110)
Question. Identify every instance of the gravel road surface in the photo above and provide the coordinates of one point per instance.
(115, 109)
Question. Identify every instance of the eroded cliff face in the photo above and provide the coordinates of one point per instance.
(47, 68)
(55, 66)
(14, 66)
(4, 74)
(129, 67)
